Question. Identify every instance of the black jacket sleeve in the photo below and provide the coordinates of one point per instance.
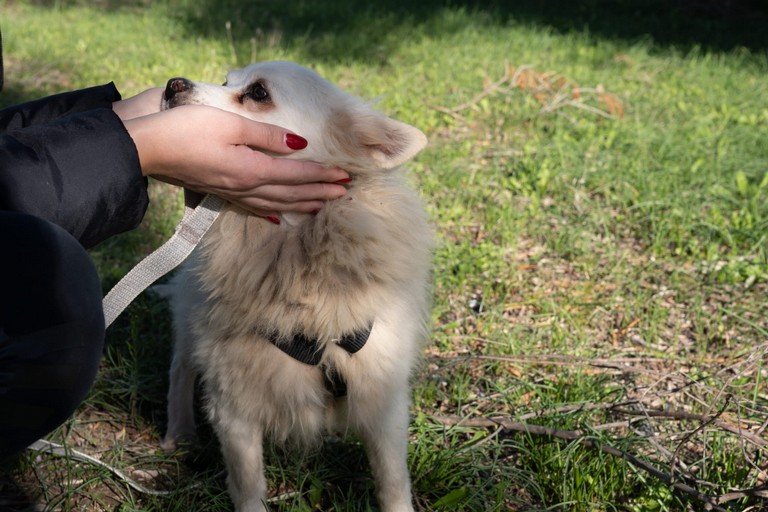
(69, 159)
(47, 109)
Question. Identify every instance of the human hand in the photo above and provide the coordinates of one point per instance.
(212, 151)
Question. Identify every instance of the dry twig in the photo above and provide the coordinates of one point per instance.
(552, 91)
(710, 503)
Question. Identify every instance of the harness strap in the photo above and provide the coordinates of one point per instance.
(308, 351)
(356, 340)
(300, 347)
(198, 217)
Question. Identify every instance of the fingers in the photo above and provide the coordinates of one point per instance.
(255, 169)
(282, 171)
(273, 210)
(273, 205)
(274, 214)
(281, 198)
(284, 185)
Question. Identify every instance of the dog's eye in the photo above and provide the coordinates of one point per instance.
(258, 92)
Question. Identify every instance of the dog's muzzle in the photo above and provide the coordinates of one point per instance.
(175, 86)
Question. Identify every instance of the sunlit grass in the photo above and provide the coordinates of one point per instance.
(586, 255)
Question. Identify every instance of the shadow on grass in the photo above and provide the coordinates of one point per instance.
(335, 30)
(362, 30)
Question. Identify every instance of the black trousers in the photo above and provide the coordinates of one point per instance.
(51, 328)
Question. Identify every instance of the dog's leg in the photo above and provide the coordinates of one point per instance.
(181, 391)
(242, 447)
(386, 443)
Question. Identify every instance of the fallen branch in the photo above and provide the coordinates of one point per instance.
(688, 436)
(576, 408)
(710, 503)
(688, 416)
(674, 415)
(756, 492)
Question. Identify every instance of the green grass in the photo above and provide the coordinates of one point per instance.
(602, 217)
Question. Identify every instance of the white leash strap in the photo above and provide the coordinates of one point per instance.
(193, 225)
(45, 446)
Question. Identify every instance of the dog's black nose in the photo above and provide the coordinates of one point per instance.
(176, 85)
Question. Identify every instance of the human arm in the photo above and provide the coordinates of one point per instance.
(68, 159)
(50, 108)
(212, 151)
(81, 173)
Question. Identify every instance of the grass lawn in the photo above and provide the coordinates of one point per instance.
(598, 178)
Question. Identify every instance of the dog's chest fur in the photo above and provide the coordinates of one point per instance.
(324, 277)
(356, 262)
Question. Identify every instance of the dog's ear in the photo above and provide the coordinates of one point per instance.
(388, 142)
(374, 136)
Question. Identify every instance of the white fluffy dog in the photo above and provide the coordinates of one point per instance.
(314, 324)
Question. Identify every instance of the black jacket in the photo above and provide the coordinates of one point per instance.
(68, 159)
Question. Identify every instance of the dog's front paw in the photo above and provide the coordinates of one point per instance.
(173, 443)
(252, 505)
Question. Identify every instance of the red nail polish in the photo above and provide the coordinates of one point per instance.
(345, 181)
(315, 211)
(294, 141)
(274, 219)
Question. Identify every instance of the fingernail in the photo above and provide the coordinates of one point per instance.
(315, 211)
(274, 219)
(294, 141)
(345, 181)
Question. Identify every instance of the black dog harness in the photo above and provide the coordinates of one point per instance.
(308, 351)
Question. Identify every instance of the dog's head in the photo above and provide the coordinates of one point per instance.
(341, 129)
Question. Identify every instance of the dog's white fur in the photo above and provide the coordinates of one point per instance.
(365, 257)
